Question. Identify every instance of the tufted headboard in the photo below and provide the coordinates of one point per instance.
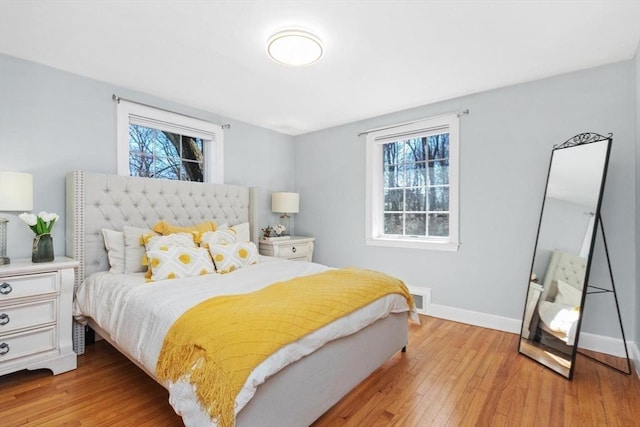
(569, 268)
(97, 201)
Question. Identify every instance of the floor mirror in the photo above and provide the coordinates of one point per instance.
(563, 250)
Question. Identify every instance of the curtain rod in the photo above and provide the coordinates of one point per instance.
(458, 113)
(119, 98)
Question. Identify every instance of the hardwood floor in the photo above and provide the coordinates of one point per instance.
(452, 375)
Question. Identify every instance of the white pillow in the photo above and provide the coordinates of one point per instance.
(568, 295)
(219, 237)
(114, 243)
(232, 256)
(242, 231)
(176, 262)
(134, 251)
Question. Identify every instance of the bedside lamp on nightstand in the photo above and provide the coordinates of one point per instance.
(16, 194)
(285, 204)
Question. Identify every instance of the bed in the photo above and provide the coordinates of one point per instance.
(289, 393)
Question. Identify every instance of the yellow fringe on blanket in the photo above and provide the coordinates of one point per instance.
(220, 341)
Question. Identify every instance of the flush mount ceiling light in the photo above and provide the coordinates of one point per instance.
(294, 47)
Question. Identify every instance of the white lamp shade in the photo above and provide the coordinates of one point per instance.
(16, 191)
(285, 202)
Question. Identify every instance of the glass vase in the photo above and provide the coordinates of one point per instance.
(42, 248)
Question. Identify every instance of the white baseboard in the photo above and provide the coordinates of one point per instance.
(635, 351)
(475, 318)
(588, 341)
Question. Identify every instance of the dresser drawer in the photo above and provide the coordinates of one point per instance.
(28, 285)
(27, 343)
(20, 316)
(293, 250)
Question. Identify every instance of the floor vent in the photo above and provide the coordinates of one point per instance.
(421, 297)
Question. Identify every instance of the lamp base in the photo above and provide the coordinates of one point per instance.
(5, 260)
(285, 221)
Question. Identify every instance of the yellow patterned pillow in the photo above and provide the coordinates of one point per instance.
(232, 256)
(153, 241)
(179, 261)
(197, 230)
(219, 237)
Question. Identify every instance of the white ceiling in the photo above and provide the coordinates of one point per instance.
(380, 56)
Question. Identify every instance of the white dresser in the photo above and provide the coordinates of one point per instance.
(35, 315)
(297, 248)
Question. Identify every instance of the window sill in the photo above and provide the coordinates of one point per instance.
(413, 244)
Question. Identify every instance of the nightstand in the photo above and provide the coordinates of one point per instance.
(297, 248)
(35, 315)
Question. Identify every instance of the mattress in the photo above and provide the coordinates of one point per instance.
(137, 315)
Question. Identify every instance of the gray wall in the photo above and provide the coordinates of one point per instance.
(565, 225)
(506, 143)
(637, 284)
(53, 122)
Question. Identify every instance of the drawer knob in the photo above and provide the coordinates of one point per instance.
(5, 289)
(4, 319)
(4, 348)
(294, 250)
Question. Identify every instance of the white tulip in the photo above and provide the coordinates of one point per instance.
(48, 217)
(29, 218)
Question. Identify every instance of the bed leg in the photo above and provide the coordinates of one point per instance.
(404, 349)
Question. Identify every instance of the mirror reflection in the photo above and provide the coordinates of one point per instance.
(562, 255)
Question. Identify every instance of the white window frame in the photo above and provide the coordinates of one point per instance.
(374, 190)
(211, 134)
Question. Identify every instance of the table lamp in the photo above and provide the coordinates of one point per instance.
(285, 204)
(16, 194)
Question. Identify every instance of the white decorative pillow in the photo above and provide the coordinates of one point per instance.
(568, 295)
(134, 249)
(242, 232)
(220, 237)
(114, 243)
(232, 256)
(176, 262)
(163, 242)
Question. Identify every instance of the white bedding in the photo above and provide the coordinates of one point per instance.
(138, 315)
(560, 319)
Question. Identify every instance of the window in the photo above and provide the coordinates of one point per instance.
(412, 185)
(156, 143)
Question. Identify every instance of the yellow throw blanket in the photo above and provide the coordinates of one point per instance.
(220, 341)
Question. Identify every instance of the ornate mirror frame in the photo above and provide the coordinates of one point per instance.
(563, 250)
